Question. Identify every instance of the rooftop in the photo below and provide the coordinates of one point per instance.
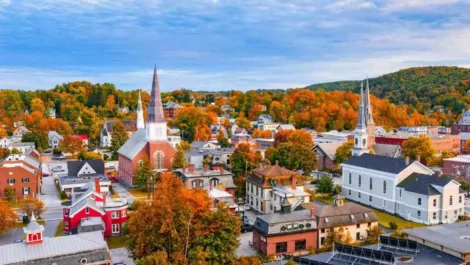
(461, 158)
(454, 236)
(423, 184)
(379, 163)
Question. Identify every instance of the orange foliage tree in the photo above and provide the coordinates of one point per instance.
(266, 134)
(7, 217)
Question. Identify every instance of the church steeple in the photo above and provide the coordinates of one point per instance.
(140, 114)
(33, 231)
(369, 119)
(156, 107)
(360, 133)
(156, 123)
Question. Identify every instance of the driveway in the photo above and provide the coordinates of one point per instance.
(49, 193)
(121, 255)
(245, 249)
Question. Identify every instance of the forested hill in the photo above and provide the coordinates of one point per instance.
(422, 87)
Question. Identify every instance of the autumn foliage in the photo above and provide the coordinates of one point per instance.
(7, 217)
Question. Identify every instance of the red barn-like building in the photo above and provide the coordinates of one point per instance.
(150, 141)
(95, 204)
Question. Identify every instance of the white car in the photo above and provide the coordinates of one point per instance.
(247, 207)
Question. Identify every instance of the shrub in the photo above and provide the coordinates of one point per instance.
(393, 225)
(105, 157)
(63, 195)
(56, 151)
(10, 193)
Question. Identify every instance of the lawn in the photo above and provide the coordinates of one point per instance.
(60, 229)
(20, 224)
(139, 192)
(117, 242)
(384, 218)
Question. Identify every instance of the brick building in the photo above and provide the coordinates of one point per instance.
(23, 174)
(457, 166)
(439, 142)
(93, 203)
(148, 142)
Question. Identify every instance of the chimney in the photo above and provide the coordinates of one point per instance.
(97, 185)
(407, 160)
(312, 212)
(294, 182)
(277, 162)
(418, 157)
(206, 167)
(191, 168)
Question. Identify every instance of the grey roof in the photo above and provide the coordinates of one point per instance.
(423, 184)
(172, 105)
(285, 127)
(379, 163)
(135, 143)
(27, 144)
(334, 216)
(67, 180)
(198, 144)
(329, 149)
(271, 224)
(82, 203)
(453, 236)
(130, 125)
(75, 166)
(63, 250)
(52, 134)
(91, 224)
(389, 150)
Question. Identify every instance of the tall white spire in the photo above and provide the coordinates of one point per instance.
(367, 106)
(360, 133)
(140, 114)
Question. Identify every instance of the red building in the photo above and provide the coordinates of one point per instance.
(23, 174)
(93, 203)
(149, 142)
(286, 233)
(457, 166)
(82, 137)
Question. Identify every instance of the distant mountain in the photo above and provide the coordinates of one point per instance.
(422, 87)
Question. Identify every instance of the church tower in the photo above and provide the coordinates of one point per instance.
(360, 133)
(156, 123)
(140, 114)
(369, 119)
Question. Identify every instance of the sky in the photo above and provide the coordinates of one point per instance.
(225, 44)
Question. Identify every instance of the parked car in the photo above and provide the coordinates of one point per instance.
(315, 181)
(246, 228)
(18, 241)
(59, 157)
(336, 175)
(48, 151)
(46, 175)
(247, 207)
(245, 220)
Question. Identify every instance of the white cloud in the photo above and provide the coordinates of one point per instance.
(416, 4)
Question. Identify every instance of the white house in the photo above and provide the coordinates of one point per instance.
(54, 139)
(399, 186)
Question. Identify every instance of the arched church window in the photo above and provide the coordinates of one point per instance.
(159, 160)
(356, 141)
(214, 182)
(363, 142)
(141, 163)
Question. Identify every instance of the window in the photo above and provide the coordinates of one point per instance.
(115, 228)
(87, 210)
(141, 163)
(349, 192)
(419, 214)
(434, 215)
(385, 203)
(323, 230)
(450, 201)
(159, 160)
(455, 212)
(370, 184)
(350, 179)
(385, 187)
(460, 199)
(370, 198)
(251, 188)
(369, 224)
(419, 201)
(215, 181)
(356, 141)
(197, 183)
(360, 181)
(257, 194)
(115, 215)
(25, 180)
(358, 226)
(434, 202)
(11, 181)
(25, 190)
(300, 244)
(358, 236)
(363, 142)
(322, 240)
(281, 247)
(400, 193)
(359, 195)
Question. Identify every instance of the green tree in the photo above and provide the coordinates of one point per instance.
(325, 185)
(222, 140)
(244, 159)
(419, 146)
(15, 151)
(180, 160)
(118, 136)
(144, 172)
(296, 157)
(10, 193)
(344, 152)
(40, 139)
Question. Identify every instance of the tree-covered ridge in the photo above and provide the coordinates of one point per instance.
(424, 88)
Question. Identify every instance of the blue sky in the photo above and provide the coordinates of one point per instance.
(222, 45)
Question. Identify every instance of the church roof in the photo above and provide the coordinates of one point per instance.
(135, 143)
(155, 109)
(379, 163)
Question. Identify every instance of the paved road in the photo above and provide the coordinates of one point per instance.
(121, 255)
(245, 249)
(123, 192)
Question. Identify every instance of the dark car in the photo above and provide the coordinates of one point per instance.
(315, 181)
(245, 220)
(246, 228)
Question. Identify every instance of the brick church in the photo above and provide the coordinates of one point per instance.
(150, 141)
